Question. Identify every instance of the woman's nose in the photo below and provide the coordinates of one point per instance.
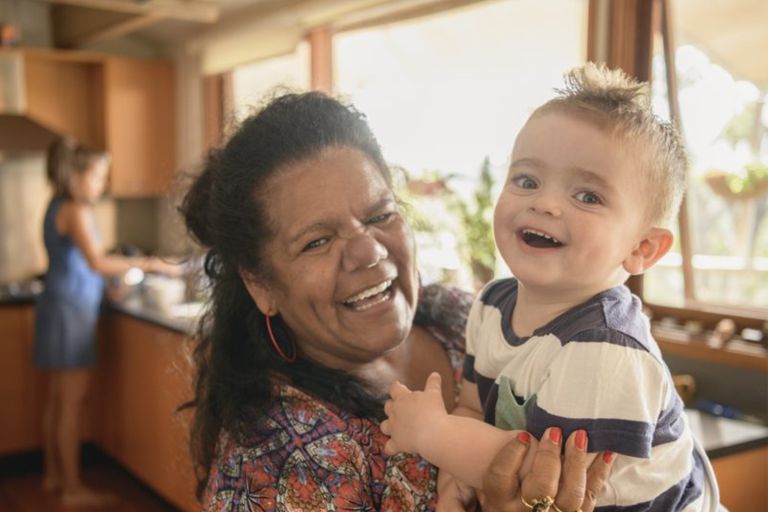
(363, 251)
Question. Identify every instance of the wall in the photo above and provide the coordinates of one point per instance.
(23, 197)
(32, 19)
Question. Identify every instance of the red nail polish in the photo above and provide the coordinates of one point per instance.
(555, 434)
(581, 439)
(608, 457)
(524, 437)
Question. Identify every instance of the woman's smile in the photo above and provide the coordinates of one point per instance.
(370, 297)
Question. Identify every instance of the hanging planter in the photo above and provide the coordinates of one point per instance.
(731, 186)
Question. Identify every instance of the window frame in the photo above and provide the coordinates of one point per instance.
(626, 29)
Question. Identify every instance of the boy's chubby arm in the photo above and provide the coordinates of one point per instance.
(459, 443)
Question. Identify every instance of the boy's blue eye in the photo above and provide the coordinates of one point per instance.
(525, 181)
(587, 197)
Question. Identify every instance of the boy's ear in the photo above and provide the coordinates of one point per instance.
(260, 294)
(655, 244)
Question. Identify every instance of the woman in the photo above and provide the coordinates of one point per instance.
(68, 309)
(316, 309)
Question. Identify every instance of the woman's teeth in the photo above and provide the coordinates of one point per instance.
(370, 296)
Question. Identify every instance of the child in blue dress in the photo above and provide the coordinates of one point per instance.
(68, 309)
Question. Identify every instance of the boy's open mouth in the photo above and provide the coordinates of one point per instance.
(539, 239)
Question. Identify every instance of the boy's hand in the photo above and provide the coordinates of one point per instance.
(412, 415)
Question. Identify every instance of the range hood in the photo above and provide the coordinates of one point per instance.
(18, 132)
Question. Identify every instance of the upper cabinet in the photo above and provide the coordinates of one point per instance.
(124, 105)
(140, 126)
(65, 95)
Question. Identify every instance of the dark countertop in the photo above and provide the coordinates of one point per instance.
(725, 436)
(139, 310)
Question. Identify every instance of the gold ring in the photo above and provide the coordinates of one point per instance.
(558, 509)
(539, 504)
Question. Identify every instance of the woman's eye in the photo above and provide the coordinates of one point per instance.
(314, 244)
(588, 198)
(525, 181)
(378, 219)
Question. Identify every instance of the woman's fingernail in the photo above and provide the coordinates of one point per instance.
(555, 435)
(581, 440)
(608, 457)
(524, 437)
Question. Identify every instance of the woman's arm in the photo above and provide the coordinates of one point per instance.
(76, 220)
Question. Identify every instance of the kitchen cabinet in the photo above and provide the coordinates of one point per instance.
(65, 94)
(742, 479)
(121, 104)
(144, 374)
(139, 126)
(21, 385)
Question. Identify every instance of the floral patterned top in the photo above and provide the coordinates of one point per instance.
(318, 457)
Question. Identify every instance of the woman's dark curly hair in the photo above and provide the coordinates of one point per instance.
(225, 212)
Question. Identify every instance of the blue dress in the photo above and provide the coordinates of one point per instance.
(68, 309)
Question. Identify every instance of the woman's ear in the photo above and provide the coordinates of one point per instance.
(260, 294)
(655, 244)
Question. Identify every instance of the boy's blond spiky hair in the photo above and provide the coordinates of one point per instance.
(616, 102)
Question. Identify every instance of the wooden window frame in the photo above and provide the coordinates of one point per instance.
(621, 34)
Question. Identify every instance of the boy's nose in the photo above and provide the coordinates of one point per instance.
(546, 204)
(363, 251)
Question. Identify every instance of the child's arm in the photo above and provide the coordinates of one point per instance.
(76, 220)
(461, 445)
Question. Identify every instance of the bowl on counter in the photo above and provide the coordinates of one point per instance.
(163, 293)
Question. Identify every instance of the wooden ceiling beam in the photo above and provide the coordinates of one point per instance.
(206, 11)
(75, 27)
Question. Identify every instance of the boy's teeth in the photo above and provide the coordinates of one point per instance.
(370, 292)
(541, 234)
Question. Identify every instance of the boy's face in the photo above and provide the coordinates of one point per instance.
(572, 208)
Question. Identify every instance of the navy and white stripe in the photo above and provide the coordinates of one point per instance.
(596, 367)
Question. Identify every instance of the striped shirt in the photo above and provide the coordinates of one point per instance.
(595, 367)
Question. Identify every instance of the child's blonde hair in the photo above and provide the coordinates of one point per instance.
(620, 104)
(67, 157)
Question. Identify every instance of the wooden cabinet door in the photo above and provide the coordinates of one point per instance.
(742, 478)
(65, 95)
(140, 126)
(144, 375)
(21, 385)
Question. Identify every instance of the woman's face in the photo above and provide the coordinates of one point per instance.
(343, 273)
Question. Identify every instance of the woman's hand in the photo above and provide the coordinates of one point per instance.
(453, 495)
(576, 489)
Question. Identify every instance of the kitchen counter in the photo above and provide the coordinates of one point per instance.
(725, 436)
(718, 436)
(183, 323)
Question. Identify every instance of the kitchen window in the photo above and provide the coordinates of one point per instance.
(722, 86)
(446, 94)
